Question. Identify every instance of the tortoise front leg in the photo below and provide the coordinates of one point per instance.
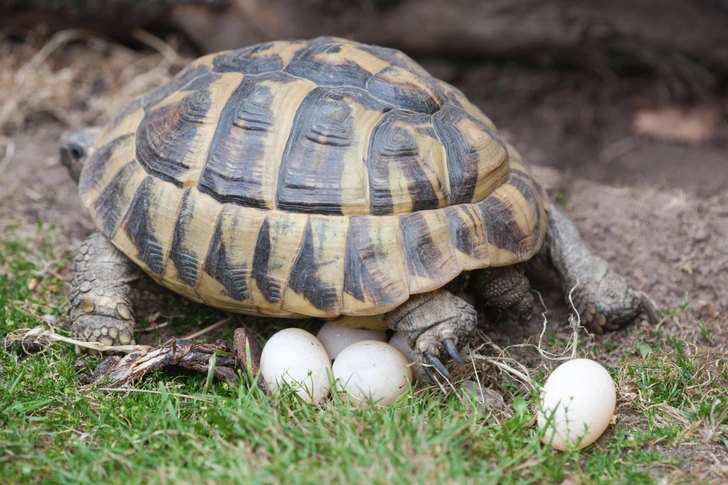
(101, 309)
(434, 324)
(603, 298)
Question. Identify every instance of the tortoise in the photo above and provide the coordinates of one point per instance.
(321, 178)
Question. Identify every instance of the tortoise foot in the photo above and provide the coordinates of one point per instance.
(609, 303)
(435, 325)
(103, 329)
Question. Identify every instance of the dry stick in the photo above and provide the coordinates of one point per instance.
(202, 332)
(42, 336)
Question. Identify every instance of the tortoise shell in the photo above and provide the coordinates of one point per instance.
(310, 178)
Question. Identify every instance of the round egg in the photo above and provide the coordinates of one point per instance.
(577, 404)
(372, 370)
(336, 338)
(399, 342)
(296, 357)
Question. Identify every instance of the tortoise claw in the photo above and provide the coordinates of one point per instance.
(453, 351)
(435, 362)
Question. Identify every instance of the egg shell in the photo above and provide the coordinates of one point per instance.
(372, 370)
(336, 338)
(399, 342)
(296, 357)
(579, 397)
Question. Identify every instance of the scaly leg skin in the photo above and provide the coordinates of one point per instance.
(505, 288)
(434, 324)
(100, 288)
(603, 298)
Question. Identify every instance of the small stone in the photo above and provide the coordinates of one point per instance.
(87, 333)
(106, 341)
(113, 332)
(83, 250)
(123, 311)
(487, 398)
(89, 277)
(78, 258)
(104, 331)
(97, 332)
(76, 301)
(85, 287)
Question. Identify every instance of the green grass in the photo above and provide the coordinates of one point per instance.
(170, 430)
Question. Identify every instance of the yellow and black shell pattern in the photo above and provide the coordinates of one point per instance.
(310, 178)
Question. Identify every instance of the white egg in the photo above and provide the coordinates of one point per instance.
(296, 357)
(399, 342)
(372, 370)
(577, 404)
(336, 338)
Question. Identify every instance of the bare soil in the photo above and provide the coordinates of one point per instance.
(656, 210)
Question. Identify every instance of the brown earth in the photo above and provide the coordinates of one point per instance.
(656, 210)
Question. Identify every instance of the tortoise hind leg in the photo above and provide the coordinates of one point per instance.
(435, 324)
(100, 288)
(603, 298)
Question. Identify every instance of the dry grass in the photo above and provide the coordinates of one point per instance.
(76, 76)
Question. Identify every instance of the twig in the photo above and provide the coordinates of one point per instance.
(41, 336)
(205, 330)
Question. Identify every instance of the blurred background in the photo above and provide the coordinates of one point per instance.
(621, 105)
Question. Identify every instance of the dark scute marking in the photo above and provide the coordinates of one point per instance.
(394, 145)
(184, 77)
(402, 95)
(95, 168)
(304, 279)
(166, 135)
(500, 224)
(108, 206)
(361, 252)
(138, 227)
(271, 289)
(422, 253)
(460, 234)
(312, 166)
(233, 170)
(348, 73)
(181, 252)
(462, 162)
(241, 60)
(219, 266)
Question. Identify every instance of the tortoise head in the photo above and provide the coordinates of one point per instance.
(76, 148)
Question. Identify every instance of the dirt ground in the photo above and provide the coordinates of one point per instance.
(656, 209)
